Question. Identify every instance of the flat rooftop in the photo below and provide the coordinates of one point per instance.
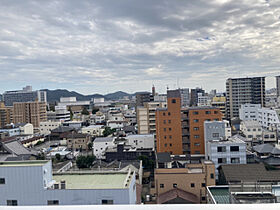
(94, 181)
(220, 194)
(23, 163)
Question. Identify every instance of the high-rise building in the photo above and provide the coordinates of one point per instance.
(5, 115)
(241, 91)
(30, 112)
(220, 102)
(142, 97)
(24, 95)
(278, 85)
(194, 95)
(185, 97)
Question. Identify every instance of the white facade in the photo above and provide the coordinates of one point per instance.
(249, 111)
(68, 99)
(26, 129)
(230, 151)
(269, 118)
(47, 126)
(97, 118)
(141, 141)
(98, 100)
(116, 124)
(32, 183)
(251, 129)
(203, 100)
(101, 144)
(94, 130)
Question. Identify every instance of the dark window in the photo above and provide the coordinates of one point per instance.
(195, 120)
(207, 112)
(164, 121)
(164, 129)
(170, 137)
(107, 202)
(12, 203)
(2, 180)
(161, 185)
(53, 202)
(169, 113)
(235, 160)
(234, 148)
(222, 160)
(197, 152)
(221, 149)
(169, 121)
(203, 198)
(195, 113)
(196, 144)
(173, 101)
(164, 137)
(196, 136)
(212, 176)
(165, 145)
(169, 129)
(192, 185)
(170, 145)
(196, 128)
(163, 113)
(203, 184)
(175, 185)
(215, 135)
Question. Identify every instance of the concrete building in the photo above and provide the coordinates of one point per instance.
(142, 97)
(146, 117)
(97, 118)
(25, 128)
(93, 130)
(101, 144)
(183, 185)
(229, 151)
(194, 95)
(185, 97)
(11, 130)
(78, 141)
(30, 112)
(24, 95)
(61, 114)
(28, 183)
(249, 112)
(6, 115)
(73, 104)
(141, 141)
(269, 118)
(278, 85)
(47, 126)
(203, 100)
(220, 102)
(244, 90)
(252, 130)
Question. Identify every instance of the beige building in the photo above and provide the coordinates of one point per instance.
(5, 115)
(220, 102)
(183, 185)
(146, 117)
(78, 141)
(30, 112)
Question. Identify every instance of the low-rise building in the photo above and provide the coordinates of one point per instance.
(47, 126)
(94, 130)
(141, 141)
(28, 183)
(11, 130)
(269, 118)
(78, 141)
(101, 144)
(249, 112)
(251, 129)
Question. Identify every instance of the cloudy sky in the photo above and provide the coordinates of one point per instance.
(101, 46)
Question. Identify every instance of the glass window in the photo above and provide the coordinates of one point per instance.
(212, 176)
(207, 112)
(216, 135)
(235, 160)
(195, 113)
(192, 185)
(173, 101)
(196, 136)
(203, 184)
(222, 160)
(221, 149)
(195, 120)
(161, 185)
(53, 202)
(196, 128)
(234, 148)
(174, 185)
(107, 202)
(2, 180)
(12, 203)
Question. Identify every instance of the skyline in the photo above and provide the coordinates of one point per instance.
(106, 46)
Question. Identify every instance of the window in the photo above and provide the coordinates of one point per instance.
(53, 202)
(215, 112)
(164, 137)
(222, 160)
(170, 137)
(207, 112)
(2, 180)
(173, 101)
(221, 149)
(203, 198)
(195, 120)
(216, 135)
(170, 145)
(196, 144)
(12, 203)
(169, 129)
(174, 185)
(107, 202)
(165, 145)
(169, 114)
(234, 148)
(235, 160)
(163, 113)
(196, 136)
(212, 176)
(164, 129)
(196, 152)
(164, 121)
(203, 185)
(192, 185)
(196, 128)
(195, 113)
(161, 185)
(169, 121)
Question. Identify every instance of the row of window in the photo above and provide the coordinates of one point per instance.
(166, 129)
(164, 121)
(165, 137)
(224, 149)
(232, 160)
(175, 185)
(206, 112)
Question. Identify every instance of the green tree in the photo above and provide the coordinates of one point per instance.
(147, 162)
(94, 110)
(71, 113)
(85, 111)
(108, 131)
(85, 161)
(57, 157)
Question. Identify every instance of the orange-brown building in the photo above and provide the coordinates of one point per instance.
(168, 125)
(5, 115)
(183, 185)
(194, 118)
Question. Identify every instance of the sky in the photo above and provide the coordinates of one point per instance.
(103, 46)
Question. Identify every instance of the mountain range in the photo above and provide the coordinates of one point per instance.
(54, 95)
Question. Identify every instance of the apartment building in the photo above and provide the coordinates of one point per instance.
(241, 91)
(220, 102)
(30, 183)
(61, 114)
(194, 95)
(269, 118)
(183, 185)
(146, 117)
(6, 115)
(185, 97)
(24, 95)
(168, 125)
(142, 97)
(249, 112)
(30, 112)
(251, 129)
(78, 141)
(47, 126)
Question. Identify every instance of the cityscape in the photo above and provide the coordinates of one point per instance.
(109, 104)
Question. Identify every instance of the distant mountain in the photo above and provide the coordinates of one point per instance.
(55, 95)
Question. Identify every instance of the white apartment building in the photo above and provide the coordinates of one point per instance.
(97, 118)
(144, 141)
(229, 151)
(203, 100)
(28, 183)
(47, 126)
(249, 111)
(61, 114)
(94, 130)
(26, 128)
(251, 129)
(101, 144)
(269, 118)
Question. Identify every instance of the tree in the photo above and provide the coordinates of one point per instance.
(147, 162)
(71, 113)
(94, 110)
(85, 111)
(108, 131)
(57, 157)
(85, 161)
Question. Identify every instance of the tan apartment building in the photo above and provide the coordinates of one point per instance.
(6, 115)
(30, 112)
(78, 141)
(168, 125)
(183, 185)
(146, 116)
(220, 102)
